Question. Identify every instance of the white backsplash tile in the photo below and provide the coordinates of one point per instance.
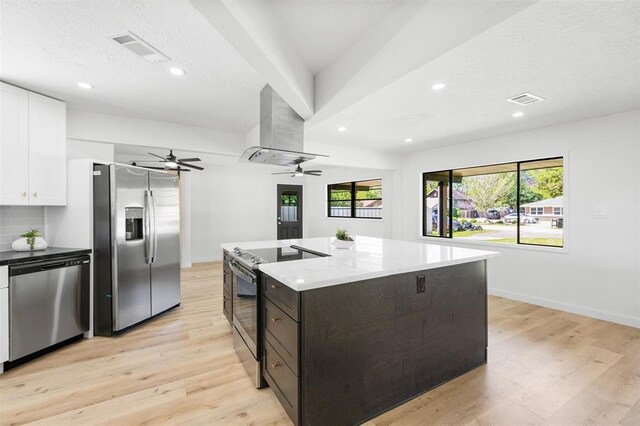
(16, 220)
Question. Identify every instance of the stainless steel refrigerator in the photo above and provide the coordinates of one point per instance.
(136, 246)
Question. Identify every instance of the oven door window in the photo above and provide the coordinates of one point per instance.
(245, 308)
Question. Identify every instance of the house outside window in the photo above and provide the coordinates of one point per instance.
(508, 203)
(357, 199)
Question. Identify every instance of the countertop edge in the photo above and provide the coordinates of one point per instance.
(36, 256)
(371, 275)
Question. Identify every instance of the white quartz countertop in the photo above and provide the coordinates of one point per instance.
(369, 257)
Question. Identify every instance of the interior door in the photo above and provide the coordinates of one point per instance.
(165, 268)
(132, 286)
(289, 211)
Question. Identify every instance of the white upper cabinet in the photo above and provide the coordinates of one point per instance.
(14, 145)
(33, 157)
(47, 151)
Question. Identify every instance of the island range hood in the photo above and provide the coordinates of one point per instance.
(281, 133)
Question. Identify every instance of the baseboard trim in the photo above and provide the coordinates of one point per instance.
(547, 303)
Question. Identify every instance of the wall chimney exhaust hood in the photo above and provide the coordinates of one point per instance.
(281, 133)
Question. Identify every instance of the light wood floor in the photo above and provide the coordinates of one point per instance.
(545, 367)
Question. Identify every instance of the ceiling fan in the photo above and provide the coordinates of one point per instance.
(171, 163)
(299, 172)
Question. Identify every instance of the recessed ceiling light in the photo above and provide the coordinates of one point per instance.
(85, 85)
(438, 86)
(177, 71)
(342, 129)
(408, 140)
(518, 114)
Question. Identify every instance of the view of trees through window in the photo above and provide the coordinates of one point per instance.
(361, 199)
(484, 202)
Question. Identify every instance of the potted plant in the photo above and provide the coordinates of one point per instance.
(31, 241)
(343, 239)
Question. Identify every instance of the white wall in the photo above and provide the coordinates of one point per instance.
(318, 222)
(598, 274)
(234, 204)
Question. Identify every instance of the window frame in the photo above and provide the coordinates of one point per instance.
(352, 199)
(518, 243)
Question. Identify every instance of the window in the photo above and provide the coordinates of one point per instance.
(361, 199)
(482, 203)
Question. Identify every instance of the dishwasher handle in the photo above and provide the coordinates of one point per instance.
(45, 265)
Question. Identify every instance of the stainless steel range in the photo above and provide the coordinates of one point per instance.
(247, 303)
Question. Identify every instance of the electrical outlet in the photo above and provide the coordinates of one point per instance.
(421, 284)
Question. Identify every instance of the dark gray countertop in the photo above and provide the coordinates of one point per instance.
(14, 257)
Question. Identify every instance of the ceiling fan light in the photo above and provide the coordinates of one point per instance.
(171, 164)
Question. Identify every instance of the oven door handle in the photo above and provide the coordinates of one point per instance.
(234, 268)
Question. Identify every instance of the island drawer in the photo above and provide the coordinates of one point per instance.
(282, 381)
(281, 332)
(287, 299)
(226, 305)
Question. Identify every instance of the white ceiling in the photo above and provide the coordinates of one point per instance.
(48, 46)
(583, 57)
(323, 29)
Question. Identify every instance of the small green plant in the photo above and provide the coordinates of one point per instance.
(473, 221)
(342, 235)
(31, 235)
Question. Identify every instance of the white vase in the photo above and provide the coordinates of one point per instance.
(21, 244)
(341, 244)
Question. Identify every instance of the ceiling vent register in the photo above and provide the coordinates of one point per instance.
(140, 47)
(525, 99)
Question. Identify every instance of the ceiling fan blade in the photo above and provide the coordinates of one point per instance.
(153, 168)
(282, 173)
(313, 174)
(156, 155)
(189, 159)
(189, 165)
(313, 171)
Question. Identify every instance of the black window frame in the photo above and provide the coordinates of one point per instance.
(517, 209)
(352, 199)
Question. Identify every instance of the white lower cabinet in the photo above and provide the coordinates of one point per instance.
(33, 154)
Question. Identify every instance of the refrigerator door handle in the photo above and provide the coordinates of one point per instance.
(155, 229)
(147, 227)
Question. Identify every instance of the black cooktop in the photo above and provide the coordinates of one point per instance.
(284, 254)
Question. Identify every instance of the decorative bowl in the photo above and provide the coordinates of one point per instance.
(342, 244)
(21, 244)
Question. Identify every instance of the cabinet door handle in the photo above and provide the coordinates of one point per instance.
(275, 365)
(35, 195)
(24, 194)
(274, 286)
(276, 319)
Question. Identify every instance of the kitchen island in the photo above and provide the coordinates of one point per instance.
(349, 336)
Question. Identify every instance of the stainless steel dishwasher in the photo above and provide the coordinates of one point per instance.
(48, 303)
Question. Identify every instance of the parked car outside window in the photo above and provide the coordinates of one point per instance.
(524, 218)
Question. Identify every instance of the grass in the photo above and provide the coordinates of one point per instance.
(468, 233)
(555, 242)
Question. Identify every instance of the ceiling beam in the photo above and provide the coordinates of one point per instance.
(408, 38)
(256, 33)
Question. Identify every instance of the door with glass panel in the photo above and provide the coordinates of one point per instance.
(289, 211)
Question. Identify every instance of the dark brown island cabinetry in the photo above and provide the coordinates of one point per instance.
(226, 287)
(343, 354)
